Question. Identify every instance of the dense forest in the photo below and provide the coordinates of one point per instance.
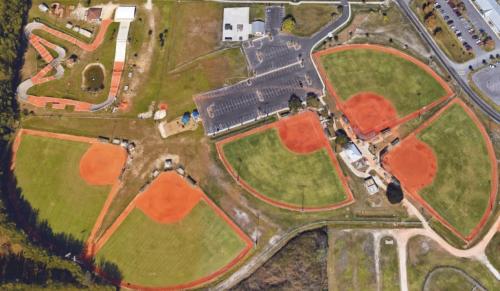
(24, 262)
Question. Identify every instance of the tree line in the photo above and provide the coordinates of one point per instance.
(26, 261)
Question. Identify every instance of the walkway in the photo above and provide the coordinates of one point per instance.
(43, 76)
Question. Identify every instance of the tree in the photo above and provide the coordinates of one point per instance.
(288, 24)
(295, 103)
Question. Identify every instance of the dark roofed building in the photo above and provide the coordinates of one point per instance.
(94, 14)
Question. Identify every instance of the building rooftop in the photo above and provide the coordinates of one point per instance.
(491, 10)
(236, 25)
(94, 13)
(125, 13)
(258, 27)
(352, 152)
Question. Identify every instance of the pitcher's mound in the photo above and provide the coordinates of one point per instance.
(369, 112)
(169, 198)
(413, 162)
(102, 164)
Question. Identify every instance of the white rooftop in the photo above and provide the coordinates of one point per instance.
(491, 11)
(236, 25)
(352, 152)
(125, 13)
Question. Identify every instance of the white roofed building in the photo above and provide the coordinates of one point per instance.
(125, 13)
(490, 11)
(236, 25)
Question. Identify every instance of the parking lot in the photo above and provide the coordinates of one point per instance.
(281, 67)
(469, 28)
(488, 81)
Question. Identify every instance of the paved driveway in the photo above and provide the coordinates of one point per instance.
(488, 80)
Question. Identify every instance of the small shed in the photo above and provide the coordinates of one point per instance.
(185, 118)
(93, 14)
(258, 28)
(371, 186)
(196, 115)
(43, 7)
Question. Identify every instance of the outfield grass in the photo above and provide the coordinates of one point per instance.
(461, 189)
(405, 84)
(389, 266)
(48, 174)
(155, 255)
(353, 262)
(70, 86)
(264, 163)
(424, 255)
(493, 250)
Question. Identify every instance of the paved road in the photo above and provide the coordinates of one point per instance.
(452, 67)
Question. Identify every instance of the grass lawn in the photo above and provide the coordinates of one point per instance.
(352, 261)
(493, 250)
(264, 163)
(195, 31)
(461, 188)
(406, 85)
(70, 86)
(424, 255)
(155, 255)
(48, 174)
(311, 17)
(389, 266)
(444, 279)
(175, 76)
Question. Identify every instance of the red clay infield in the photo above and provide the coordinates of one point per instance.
(301, 133)
(102, 164)
(367, 111)
(413, 162)
(368, 120)
(169, 198)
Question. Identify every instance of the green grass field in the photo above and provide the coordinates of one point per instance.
(461, 188)
(47, 172)
(155, 255)
(493, 250)
(352, 261)
(264, 163)
(444, 279)
(424, 255)
(389, 266)
(406, 85)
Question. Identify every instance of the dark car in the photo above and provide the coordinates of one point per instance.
(474, 36)
(450, 21)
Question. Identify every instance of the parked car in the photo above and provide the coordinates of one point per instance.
(449, 22)
(446, 17)
(474, 36)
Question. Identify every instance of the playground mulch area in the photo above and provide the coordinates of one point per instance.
(172, 236)
(362, 74)
(288, 164)
(461, 193)
(47, 167)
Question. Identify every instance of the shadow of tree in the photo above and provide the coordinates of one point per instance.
(41, 234)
